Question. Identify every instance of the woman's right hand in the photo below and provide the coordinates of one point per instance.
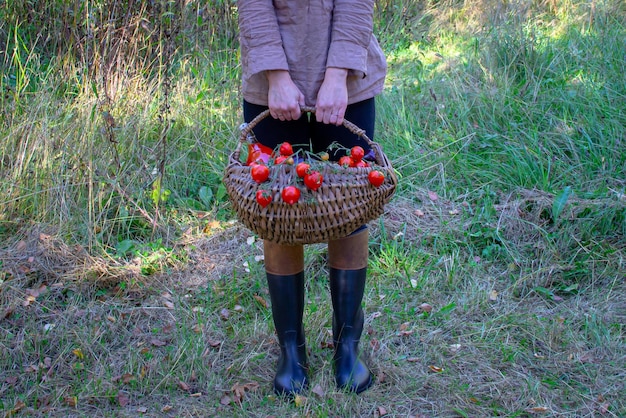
(284, 97)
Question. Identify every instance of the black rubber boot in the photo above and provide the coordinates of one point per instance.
(287, 295)
(346, 289)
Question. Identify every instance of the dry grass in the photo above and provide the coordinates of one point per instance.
(198, 340)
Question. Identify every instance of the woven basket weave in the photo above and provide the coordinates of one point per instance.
(345, 201)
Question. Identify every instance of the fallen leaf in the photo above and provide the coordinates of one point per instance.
(419, 213)
(238, 308)
(20, 246)
(214, 343)
(32, 368)
(197, 329)
(35, 292)
(381, 411)
(413, 359)
(70, 401)
(196, 395)
(435, 369)
(300, 401)
(537, 410)
(183, 386)
(375, 344)
(404, 329)
(238, 390)
(454, 348)
(261, 301)
(29, 299)
(318, 391)
(127, 378)
(78, 353)
(142, 409)
(11, 380)
(493, 295)
(123, 399)
(425, 307)
(8, 312)
(24, 269)
(224, 314)
(167, 408)
(19, 405)
(225, 400)
(168, 304)
(157, 343)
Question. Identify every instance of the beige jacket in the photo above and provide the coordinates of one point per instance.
(305, 37)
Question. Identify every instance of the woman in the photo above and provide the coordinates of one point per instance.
(318, 53)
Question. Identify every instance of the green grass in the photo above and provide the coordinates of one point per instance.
(496, 276)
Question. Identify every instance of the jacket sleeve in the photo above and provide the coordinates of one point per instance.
(351, 34)
(261, 43)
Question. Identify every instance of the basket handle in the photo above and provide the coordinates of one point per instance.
(307, 109)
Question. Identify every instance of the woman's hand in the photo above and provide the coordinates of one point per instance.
(284, 98)
(332, 98)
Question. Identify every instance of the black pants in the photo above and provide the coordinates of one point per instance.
(311, 135)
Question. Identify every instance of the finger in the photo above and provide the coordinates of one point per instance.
(294, 111)
(340, 116)
(330, 117)
(319, 114)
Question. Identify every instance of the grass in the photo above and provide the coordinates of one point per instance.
(496, 278)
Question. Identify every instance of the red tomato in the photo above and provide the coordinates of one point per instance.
(313, 180)
(290, 194)
(302, 169)
(357, 153)
(260, 173)
(263, 198)
(285, 149)
(376, 178)
(258, 152)
(362, 163)
(346, 161)
(280, 159)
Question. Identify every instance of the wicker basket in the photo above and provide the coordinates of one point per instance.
(345, 201)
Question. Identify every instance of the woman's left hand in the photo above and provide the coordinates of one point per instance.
(332, 98)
